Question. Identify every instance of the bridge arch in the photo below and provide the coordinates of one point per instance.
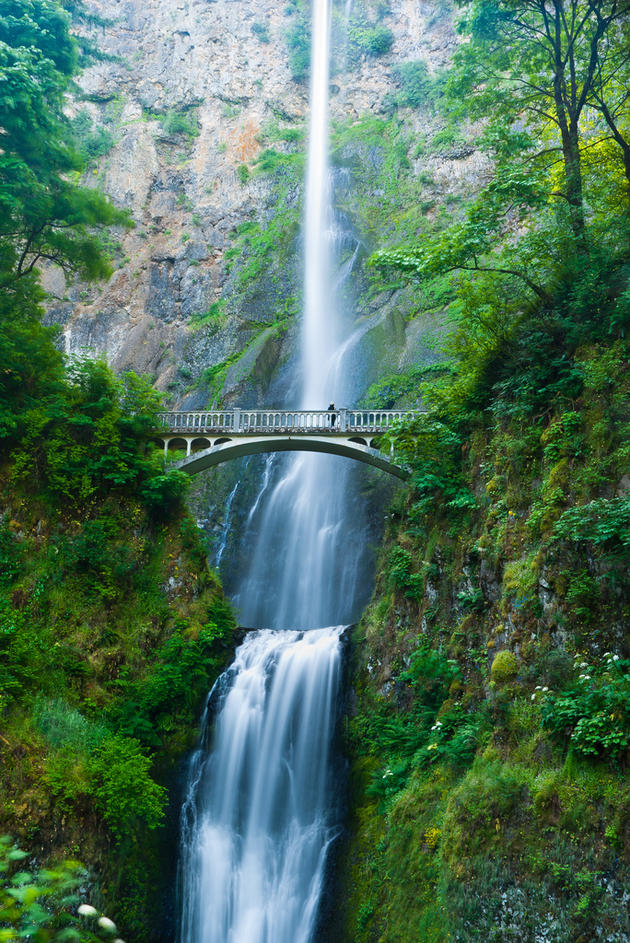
(177, 445)
(225, 450)
(199, 444)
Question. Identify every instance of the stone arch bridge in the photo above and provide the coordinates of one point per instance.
(216, 436)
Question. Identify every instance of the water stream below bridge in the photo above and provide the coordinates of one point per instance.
(260, 814)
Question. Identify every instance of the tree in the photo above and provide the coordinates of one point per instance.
(542, 62)
(44, 214)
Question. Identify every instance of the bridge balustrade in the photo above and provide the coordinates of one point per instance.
(244, 421)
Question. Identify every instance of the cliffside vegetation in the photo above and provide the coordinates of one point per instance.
(492, 670)
(112, 628)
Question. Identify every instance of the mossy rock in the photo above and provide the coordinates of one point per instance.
(504, 667)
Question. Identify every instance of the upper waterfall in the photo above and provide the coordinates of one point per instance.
(320, 330)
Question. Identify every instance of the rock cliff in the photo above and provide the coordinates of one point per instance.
(190, 96)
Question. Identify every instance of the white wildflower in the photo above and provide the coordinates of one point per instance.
(615, 657)
(107, 924)
(545, 688)
(584, 664)
(86, 910)
(534, 696)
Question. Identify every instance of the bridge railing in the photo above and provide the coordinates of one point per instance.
(269, 421)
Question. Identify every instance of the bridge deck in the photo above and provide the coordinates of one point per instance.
(234, 422)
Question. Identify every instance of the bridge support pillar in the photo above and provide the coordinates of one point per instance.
(188, 446)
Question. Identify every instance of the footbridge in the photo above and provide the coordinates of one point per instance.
(217, 436)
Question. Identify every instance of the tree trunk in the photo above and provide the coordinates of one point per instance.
(572, 170)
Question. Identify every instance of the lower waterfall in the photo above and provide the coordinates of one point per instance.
(258, 818)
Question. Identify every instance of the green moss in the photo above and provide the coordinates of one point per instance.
(504, 667)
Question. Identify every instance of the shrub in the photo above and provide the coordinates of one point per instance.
(490, 792)
(124, 791)
(401, 575)
(603, 522)
(414, 82)
(178, 122)
(93, 142)
(593, 715)
(243, 174)
(504, 667)
(261, 31)
(163, 494)
(299, 43)
(371, 40)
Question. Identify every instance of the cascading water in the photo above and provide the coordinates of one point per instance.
(304, 534)
(256, 822)
(259, 817)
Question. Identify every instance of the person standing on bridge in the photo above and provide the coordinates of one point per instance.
(333, 415)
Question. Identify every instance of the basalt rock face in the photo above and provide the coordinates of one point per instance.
(185, 102)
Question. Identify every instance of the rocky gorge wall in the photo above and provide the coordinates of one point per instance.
(177, 119)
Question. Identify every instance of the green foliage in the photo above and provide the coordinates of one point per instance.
(491, 791)
(64, 727)
(261, 31)
(92, 143)
(123, 788)
(370, 40)
(180, 122)
(270, 161)
(603, 522)
(164, 494)
(432, 449)
(183, 671)
(387, 392)
(10, 555)
(89, 437)
(401, 575)
(593, 715)
(243, 174)
(299, 43)
(40, 905)
(213, 318)
(414, 83)
(44, 214)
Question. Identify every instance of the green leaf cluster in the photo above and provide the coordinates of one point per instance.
(592, 716)
(40, 905)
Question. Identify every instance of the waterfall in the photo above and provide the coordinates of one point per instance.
(256, 822)
(226, 525)
(310, 529)
(259, 814)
